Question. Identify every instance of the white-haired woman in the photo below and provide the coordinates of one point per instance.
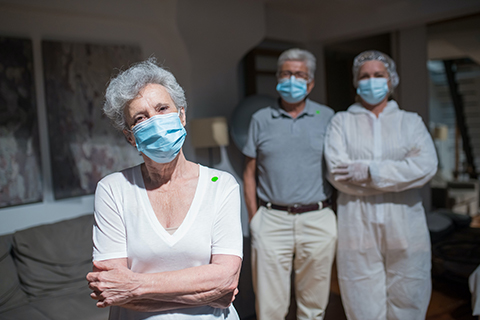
(167, 235)
(378, 156)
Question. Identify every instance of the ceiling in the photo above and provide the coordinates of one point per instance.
(455, 39)
(453, 26)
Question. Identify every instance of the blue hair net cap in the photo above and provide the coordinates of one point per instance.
(378, 56)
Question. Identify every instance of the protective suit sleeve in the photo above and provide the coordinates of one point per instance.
(474, 285)
(336, 155)
(418, 167)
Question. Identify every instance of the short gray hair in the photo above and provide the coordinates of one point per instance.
(127, 84)
(299, 55)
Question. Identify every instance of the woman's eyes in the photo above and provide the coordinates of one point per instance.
(377, 75)
(139, 119)
(159, 110)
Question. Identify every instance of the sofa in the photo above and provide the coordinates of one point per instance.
(43, 269)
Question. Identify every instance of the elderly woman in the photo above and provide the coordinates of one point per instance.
(167, 235)
(378, 156)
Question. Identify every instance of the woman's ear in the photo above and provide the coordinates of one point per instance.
(130, 137)
(183, 116)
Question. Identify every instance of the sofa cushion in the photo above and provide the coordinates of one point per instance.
(52, 260)
(77, 306)
(11, 295)
(23, 313)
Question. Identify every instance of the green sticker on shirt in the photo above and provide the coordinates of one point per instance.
(214, 179)
(318, 111)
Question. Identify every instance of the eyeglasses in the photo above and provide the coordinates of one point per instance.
(287, 74)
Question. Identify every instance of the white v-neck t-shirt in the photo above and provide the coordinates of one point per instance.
(126, 227)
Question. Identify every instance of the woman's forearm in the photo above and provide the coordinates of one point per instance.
(193, 286)
(146, 305)
(114, 284)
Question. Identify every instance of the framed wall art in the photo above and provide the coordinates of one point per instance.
(20, 162)
(84, 146)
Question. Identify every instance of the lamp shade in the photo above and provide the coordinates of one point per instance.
(209, 132)
(440, 132)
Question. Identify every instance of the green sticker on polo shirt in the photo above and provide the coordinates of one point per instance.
(318, 111)
(214, 179)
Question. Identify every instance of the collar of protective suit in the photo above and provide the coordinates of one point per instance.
(277, 110)
(392, 106)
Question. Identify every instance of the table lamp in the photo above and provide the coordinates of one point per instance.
(210, 133)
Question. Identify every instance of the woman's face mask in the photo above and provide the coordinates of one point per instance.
(292, 90)
(160, 137)
(373, 90)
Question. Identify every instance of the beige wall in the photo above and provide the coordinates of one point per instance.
(202, 43)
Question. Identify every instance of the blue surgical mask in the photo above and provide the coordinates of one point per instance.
(161, 137)
(373, 90)
(292, 90)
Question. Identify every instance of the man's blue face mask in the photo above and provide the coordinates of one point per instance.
(161, 137)
(373, 90)
(292, 90)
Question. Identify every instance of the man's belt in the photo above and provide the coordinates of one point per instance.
(297, 208)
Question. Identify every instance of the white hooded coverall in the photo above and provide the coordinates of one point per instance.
(383, 254)
(474, 285)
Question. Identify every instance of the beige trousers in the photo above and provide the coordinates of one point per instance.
(281, 241)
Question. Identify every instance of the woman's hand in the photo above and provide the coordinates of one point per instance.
(112, 283)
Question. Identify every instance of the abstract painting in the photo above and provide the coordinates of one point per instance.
(84, 146)
(20, 164)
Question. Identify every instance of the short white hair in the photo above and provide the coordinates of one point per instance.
(299, 55)
(127, 85)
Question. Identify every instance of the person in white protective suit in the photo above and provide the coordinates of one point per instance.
(474, 285)
(378, 156)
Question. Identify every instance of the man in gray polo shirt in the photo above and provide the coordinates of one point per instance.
(291, 222)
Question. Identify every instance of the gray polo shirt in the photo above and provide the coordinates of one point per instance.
(289, 154)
